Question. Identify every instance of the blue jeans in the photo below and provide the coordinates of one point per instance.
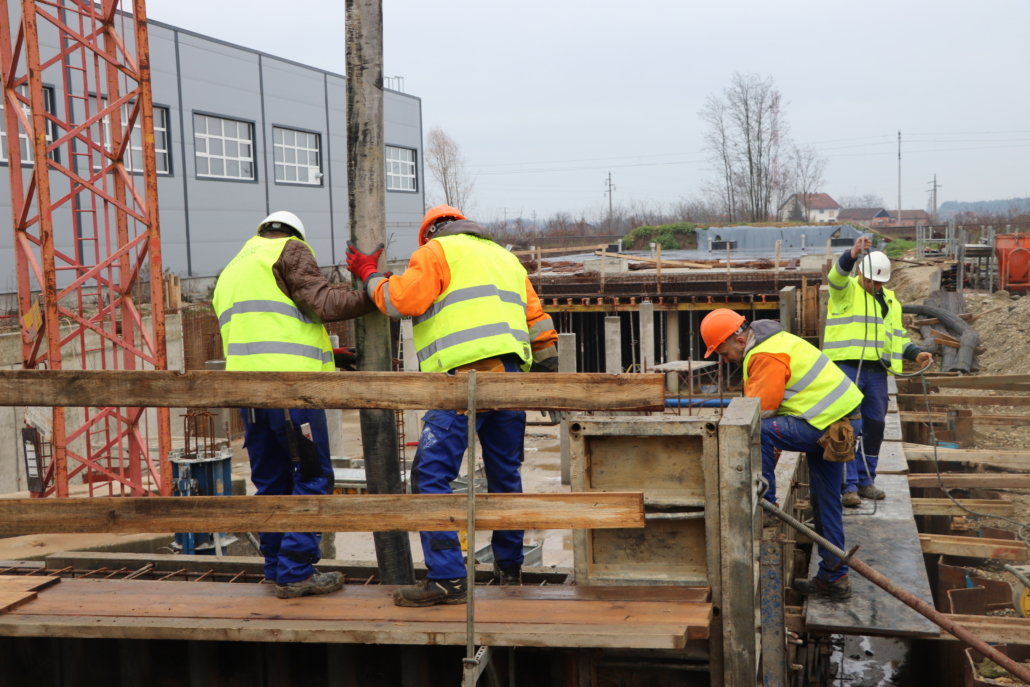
(289, 556)
(789, 433)
(438, 458)
(873, 385)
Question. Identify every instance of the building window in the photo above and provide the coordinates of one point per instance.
(224, 147)
(27, 154)
(297, 158)
(134, 161)
(400, 169)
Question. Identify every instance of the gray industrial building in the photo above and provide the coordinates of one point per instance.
(240, 133)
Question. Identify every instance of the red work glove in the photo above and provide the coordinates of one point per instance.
(360, 264)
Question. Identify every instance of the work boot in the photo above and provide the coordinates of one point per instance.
(851, 499)
(871, 492)
(840, 590)
(427, 592)
(509, 576)
(319, 583)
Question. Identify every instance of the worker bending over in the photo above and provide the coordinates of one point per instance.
(866, 338)
(271, 301)
(805, 400)
(474, 309)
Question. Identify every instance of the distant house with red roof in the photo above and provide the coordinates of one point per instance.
(809, 207)
(867, 217)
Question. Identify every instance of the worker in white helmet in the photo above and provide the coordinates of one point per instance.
(866, 338)
(271, 301)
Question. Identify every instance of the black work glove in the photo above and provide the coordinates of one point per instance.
(546, 365)
(345, 359)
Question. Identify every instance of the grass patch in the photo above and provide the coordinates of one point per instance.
(896, 247)
(668, 236)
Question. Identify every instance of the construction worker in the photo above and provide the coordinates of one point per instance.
(473, 308)
(805, 398)
(866, 338)
(271, 301)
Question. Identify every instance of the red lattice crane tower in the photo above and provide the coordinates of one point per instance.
(79, 144)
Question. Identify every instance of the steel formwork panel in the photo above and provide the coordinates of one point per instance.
(88, 195)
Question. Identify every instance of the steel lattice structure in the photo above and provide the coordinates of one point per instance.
(92, 244)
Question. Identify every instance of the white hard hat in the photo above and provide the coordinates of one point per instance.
(283, 217)
(875, 266)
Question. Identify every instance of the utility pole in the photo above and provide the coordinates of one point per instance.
(933, 192)
(608, 184)
(366, 200)
(899, 177)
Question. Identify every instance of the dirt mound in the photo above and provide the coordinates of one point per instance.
(911, 282)
(1005, 333)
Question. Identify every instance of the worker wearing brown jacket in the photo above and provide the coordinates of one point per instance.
(271, 301)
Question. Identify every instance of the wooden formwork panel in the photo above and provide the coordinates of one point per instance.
(674, 462)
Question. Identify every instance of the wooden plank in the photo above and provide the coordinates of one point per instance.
(741, 526)
(917, 401)
(352, 513)
(666, 263)
(994, 629)
(948, 507)
(1013, 382)
(978, 418)
(973, 547)
(980, 480)
(10, 600)
(27, 583)
(889, 543)
(567, 249)
(392, 390)
(1013, 459)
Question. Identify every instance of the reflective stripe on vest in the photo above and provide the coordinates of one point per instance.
(261, 328)
(856, 331)
(817, 391)
(482, 314)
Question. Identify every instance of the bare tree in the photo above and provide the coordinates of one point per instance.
(866, 200)
(806, 168)
(447, 165)
(745, 133)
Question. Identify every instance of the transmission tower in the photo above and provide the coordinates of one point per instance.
(86, 232)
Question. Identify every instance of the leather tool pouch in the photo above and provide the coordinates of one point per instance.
(839, 442)
(310, 464)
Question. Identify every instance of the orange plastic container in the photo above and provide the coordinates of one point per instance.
(1012, 252)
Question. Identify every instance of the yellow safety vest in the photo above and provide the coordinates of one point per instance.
(855, 329)
(817, 390)
(262, 329)
(482, 314)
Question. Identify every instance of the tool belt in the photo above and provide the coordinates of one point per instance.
(838, 441)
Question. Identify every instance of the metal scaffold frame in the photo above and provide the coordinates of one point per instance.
(93, 243)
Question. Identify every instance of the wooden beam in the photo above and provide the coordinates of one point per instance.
(568, 249)
(1017, 382)
(948, 507)
(1015, 459)
(666, 263)
(958, 400)
(391, 390)
(977, 480)
(352, 513)
(994, 629)
(982, 419)
(973, 547)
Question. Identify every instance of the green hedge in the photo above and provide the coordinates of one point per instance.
(896, 247)
(669, 236)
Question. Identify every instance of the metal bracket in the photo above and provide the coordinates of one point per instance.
(474, 667)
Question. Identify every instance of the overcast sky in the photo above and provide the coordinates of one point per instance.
(545, 98)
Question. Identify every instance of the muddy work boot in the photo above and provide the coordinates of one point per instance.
(429, 592)
(851, 499)
(839, 590)
(871, 492)
(509, 576)
(319, 583)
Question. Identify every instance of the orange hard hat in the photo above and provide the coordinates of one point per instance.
(435, 214)
(718, 326)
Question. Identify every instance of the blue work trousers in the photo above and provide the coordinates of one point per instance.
(789, 433)
(873, 385)
(289, 556)
(437, 461)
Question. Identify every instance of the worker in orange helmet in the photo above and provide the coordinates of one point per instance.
(474, 308)
(808, 405)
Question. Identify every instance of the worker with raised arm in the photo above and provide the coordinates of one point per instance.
(866, 338)
(271, 301)
(474, 308)
(809, 406)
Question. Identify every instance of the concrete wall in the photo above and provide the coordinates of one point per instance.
(12, 464)
(205, 221)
